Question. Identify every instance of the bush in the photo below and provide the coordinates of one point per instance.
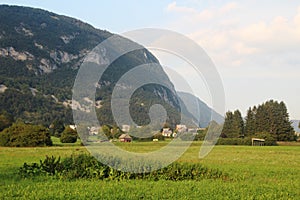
(86, 166)
(68, 136)
(25, 135)
(234, 141)
(187, 137)
(158, 136)
(270, 140)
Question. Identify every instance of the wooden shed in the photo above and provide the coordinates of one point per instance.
(125, 138)
(258, 142)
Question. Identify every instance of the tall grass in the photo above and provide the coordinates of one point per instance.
(256, 173)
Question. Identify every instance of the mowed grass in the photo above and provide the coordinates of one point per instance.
(255, 173)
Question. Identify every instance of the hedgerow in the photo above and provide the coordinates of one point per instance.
(85, 166)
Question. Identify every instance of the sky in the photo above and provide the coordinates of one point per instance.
(255, 45)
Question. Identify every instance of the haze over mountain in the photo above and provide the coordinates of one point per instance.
(199, 110)
(40, 54)
(295, 124)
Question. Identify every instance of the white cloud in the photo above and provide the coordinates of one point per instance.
(228, 39)
(261, 47)
(228, 7)
(173, 7)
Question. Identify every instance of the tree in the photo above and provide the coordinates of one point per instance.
(233, 125)
(25, 135)
(6, 120)
(106, 131)
(228, 124)
(56, 128)
(270, 117)
(250, 124)
(68, 135)
(238, 124)
(270, 140)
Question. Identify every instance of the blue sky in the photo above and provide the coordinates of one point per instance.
(255, 45)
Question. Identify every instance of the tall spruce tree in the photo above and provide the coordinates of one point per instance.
(238, 124)
(285, 131)
(228, 124)
(250, 124)
(233, 125)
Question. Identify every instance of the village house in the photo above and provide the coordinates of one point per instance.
(125, 138)
(167, 132)
(181, 128)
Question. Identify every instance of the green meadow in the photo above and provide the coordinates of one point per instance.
(268, 172)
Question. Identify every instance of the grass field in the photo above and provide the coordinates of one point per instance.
(255, 172)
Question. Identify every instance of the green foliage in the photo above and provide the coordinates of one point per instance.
(234, 141)
(106, 130)
(250, 125)
(270, 140)
(200, 136)
(271, 117)
(25, 135)
(56, 128)
(86, 166)
(187, 137)
(38, 109)
(233, 125)
(143, 133)
(49, 166)
(6, 120)
(68, 135)
(158, 136)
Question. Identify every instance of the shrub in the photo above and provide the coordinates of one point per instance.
(25, 135)
(234, 141)
(68, 136)
(86, 166)
(270, 140)
(187, 137)
(158, 136)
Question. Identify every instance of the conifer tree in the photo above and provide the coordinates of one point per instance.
(238, 128)
(233, 125)
(271, 117)
(250, 124)
(228, 124)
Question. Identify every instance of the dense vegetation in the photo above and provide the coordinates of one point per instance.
(269, 120)
(68, 135)
(86, 166)
(25, 135)
(6, 120)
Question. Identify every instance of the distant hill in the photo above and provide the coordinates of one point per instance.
(295, 124)
(40, 53)
(197, 109)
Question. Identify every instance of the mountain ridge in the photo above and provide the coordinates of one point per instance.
(40, 54)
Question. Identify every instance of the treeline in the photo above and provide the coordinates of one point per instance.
(270, 119)
(19, 134)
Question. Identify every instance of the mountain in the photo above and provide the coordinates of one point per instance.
(295, 124)
(40, 54)
(197, 109)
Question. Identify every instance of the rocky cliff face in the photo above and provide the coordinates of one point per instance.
(40, 53)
